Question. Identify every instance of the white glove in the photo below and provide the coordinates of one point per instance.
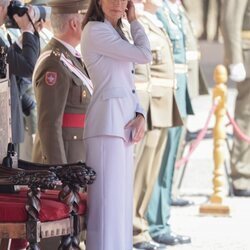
(237, 72)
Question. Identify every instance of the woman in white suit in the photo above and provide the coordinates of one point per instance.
(114, 120)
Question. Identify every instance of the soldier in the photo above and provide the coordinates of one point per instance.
(236, 33)
(62, 88)
(196, 86)
(159, 206)
(163, 113)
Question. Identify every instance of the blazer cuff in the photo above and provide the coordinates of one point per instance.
(134, 25)
(140, 110)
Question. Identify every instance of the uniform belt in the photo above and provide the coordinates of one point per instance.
(168, 83)
(180, 68)
(245, 34)
(73, 120)
(193, 55)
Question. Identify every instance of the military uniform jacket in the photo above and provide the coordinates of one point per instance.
(173, 24)
(62, 99)
(235, 24)
(163, 108)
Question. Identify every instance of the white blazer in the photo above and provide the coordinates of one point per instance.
(110, 63)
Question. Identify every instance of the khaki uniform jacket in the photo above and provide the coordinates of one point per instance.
(62, 99)
(142, 84)
(163, 110)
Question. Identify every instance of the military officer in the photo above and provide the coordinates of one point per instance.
(196, 86)
(163, 113)
(159, 207)
(236, 34)
(62, 88)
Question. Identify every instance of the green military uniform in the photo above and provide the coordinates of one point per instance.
(163, 113)
(196, 81)
(63, 92)
(62, 99)
(159, 206)
(236, 33)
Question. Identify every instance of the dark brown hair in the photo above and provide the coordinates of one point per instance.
(95, 13)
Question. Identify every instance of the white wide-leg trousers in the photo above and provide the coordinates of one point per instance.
(110, 198)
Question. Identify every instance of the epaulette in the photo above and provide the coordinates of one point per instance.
(56, 53)
(46, 55)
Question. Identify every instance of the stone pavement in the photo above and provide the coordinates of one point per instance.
(213, 233)
(209, 232)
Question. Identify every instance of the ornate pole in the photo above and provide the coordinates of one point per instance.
(215, 205)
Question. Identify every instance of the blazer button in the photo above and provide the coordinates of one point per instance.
(132, 71)
(133, 91)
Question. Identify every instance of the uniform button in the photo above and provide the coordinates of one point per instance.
(44, 157)
(133, 91)
(74, 137)
(132, 71)
(84, 94)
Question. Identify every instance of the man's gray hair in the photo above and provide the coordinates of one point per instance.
(4, 3)
(59, 22)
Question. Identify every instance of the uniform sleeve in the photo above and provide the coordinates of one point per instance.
(231, 24)
(51, 100)
(101, 39)
(22, 61)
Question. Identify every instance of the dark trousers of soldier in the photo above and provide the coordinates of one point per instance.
(240, 159)
(159, 207)
(145, 177)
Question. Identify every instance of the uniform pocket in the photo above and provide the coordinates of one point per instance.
(176, 40)
(75, 91)
(157, 56)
